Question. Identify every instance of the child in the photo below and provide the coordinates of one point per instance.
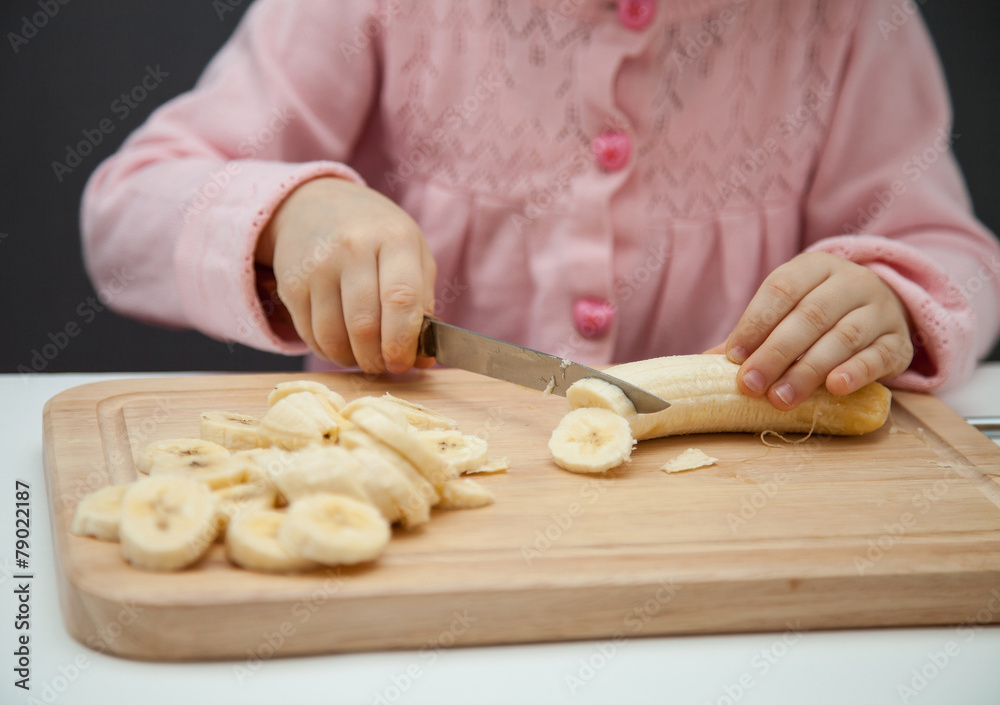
(605, 181)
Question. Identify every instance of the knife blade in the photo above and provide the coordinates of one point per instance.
(452, 346)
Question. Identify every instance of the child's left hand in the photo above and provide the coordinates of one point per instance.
(819, 319)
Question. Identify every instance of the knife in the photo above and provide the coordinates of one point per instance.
(456, 347)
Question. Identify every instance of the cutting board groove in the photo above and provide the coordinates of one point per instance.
(900, 527)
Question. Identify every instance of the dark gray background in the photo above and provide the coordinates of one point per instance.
(67, 76)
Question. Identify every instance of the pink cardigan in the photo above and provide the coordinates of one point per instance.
(647, 162)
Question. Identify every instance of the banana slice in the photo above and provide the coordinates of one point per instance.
(419, 416)
(252, 543)
(229, 430)
(594, 392)
(167, 522)
(99, 513)
(213, 471)
(177, 449)
(255, 493)
(393, 411)
(390, 487)
(334, 530)
(427, 462)
(461, 451)
(491, 466)
(464, 494)
(299, 419)
(316, 469)
(285, 389)
(591, 440)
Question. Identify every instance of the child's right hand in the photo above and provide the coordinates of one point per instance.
(354, 272)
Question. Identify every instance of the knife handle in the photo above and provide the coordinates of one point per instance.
(427, 341)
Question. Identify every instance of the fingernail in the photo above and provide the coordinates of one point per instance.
(738, 354)
(754, 381)
(785, 392)
(847, 381)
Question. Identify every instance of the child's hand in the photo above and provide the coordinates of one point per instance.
(354, 272)
(819, 319)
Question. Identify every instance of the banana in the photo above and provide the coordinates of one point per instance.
(705, 398)
(334, 530)
(416, 510)
(256, 493)
(464, 494)
(99, 513)
(177, 449)
(492, 465)
(299, 419)
(231, 431)
(252, 543)
(461, 451)
(591, 391)
(215, 472)
(419, 416)
(387, 480)
(393, 411)
(167, 522)
(285, 389)
(329, 469)
(427, 462)
(591, 440)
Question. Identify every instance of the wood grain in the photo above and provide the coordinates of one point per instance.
(900, 527)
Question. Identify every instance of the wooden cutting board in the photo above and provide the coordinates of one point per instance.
(900, 527)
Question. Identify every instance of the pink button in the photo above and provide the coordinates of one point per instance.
(636, 14)
(612, 150)
(593, 317)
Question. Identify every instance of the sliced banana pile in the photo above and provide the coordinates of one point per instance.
(314, 482)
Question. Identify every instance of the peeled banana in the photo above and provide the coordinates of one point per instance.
(252, 542)
(704, 398)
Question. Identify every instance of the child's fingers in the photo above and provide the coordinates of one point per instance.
(401, 294)
(854, 332)
(780, 292)
(359, 289)
(888, 356)
(816, 314)
(328, 327)
(716, 349)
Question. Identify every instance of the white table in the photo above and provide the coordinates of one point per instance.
(853, 667)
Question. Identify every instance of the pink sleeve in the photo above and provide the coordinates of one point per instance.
(888, 194)
(171, 221)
